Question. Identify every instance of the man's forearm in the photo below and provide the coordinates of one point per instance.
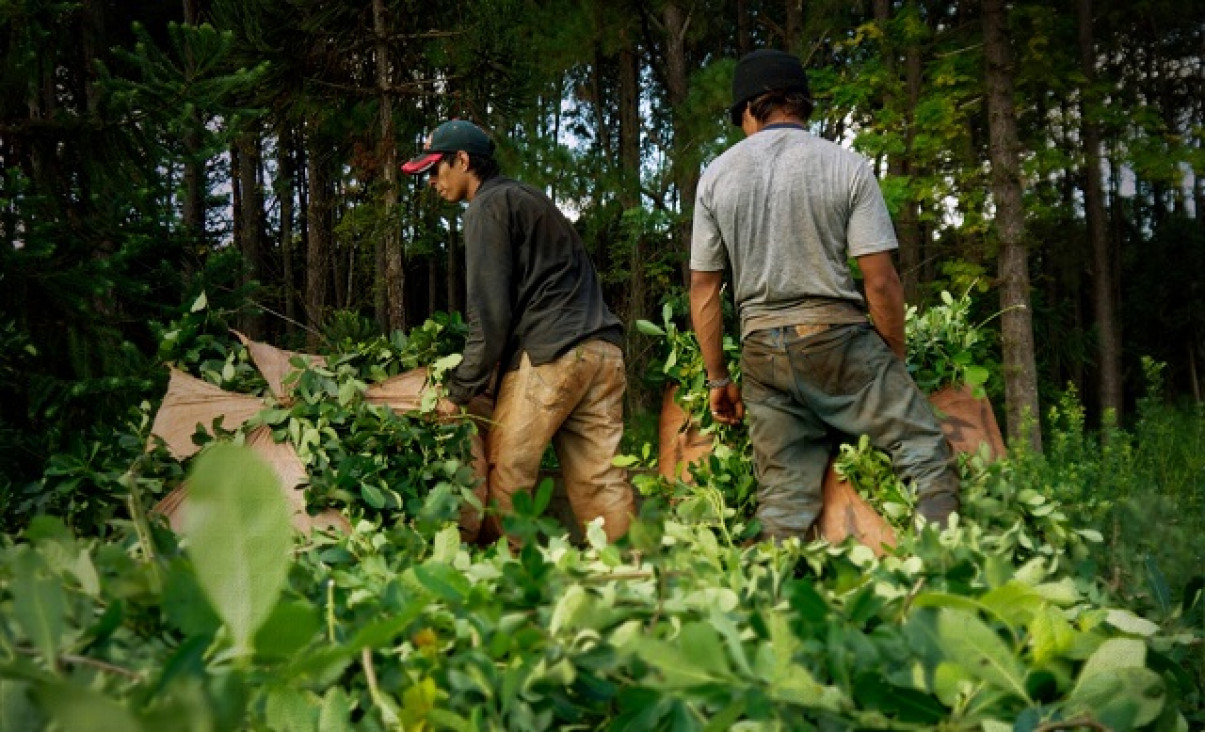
(885, 299)
(707, 317)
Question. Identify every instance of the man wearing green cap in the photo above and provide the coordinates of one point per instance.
(536, 312)
(786, 210)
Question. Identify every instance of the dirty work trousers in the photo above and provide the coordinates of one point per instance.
(576, 402)
(805, 391)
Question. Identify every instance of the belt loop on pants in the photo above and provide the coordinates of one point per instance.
(811, 329)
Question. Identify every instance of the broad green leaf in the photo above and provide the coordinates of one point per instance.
(1051, 634)
(1120, 698)
(1128, 622)
(335, 714)
(290, 627)
(1113, 654)
(17, 710)
(446, 545)
(199, 304)
(973, 645)
(695, 658)
(649, 328)
(291, 710)
(1014, 602)
(976, 375)
(443, 581)
(239, 537)
(568, 608)
(39, 606)
(82, 709)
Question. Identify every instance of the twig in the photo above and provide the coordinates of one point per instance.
(1073, 724)
(86, 661)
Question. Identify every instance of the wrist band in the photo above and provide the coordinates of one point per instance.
(717, 383)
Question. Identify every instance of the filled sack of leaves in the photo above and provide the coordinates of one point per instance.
(680, 440)
(404, 393)
(968, 420)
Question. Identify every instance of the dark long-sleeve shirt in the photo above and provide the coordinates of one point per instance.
(531, 287)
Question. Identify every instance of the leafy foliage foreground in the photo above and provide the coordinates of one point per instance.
(1001, 622)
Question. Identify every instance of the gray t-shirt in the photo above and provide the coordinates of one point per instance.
(788, 209)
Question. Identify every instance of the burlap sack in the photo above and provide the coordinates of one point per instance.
(404, 393)
(680, 442)
(967, 420)
(190, 401)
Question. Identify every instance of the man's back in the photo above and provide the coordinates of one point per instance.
(787, 208)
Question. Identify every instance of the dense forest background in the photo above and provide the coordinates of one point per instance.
(1046, 155)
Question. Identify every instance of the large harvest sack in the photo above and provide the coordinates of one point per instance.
(190, 401)
(681, 442)
(967, 420)
(404, 393)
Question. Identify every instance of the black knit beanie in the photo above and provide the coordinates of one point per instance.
(761, 71)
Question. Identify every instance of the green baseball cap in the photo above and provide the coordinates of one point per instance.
(452, 136)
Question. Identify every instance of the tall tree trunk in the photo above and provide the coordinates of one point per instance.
(793, 27)
(907, 223)
(286, 172)
(676, 22)
(629, 167)
(744, 33)
(1020, 368)
(250, 233)
(1107, 325)
(193, 214)
(318, 240)
(395, 275)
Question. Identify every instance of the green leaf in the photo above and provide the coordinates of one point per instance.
(335, 715)
(239, 536)
(1120, 698)
(976, 375)
(290, 627)
(40, 607)
(1128, 622)
(649, 328)
(17, 710)
(1113, 654)
(81, 709)
(973, 645)
(290, 710)
(199, 304)
(443, 581)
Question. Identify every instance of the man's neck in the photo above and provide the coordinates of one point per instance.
(778, 117)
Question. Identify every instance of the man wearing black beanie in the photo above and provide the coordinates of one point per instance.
(786, 210)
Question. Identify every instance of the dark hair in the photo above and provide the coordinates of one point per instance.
(483, 166)
(794, 103)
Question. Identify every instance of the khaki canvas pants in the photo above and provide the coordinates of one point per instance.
(576, 402)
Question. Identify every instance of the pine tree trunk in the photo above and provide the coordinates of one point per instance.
(1107, 325)
(285, 183)
(1020, 369)
(250, 212)
(193, 214)
(394, 274)
(744, 33)
(318, 241)
(793, 27)
(686, 175)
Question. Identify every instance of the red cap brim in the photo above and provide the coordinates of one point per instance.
(417, 165)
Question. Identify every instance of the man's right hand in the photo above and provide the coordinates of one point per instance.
(727, 407)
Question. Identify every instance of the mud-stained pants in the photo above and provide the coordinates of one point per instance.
(576, 402)
(803, 390)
